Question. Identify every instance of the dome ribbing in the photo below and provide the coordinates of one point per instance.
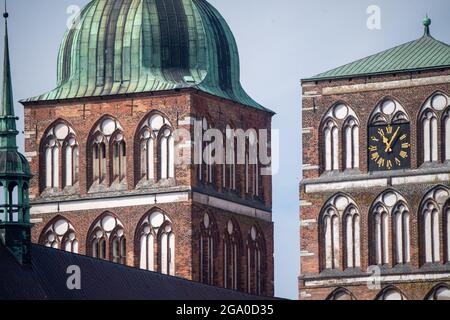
(136, 46)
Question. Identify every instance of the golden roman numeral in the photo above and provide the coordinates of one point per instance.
(381, 132)
(403, 137)
(389, 129)
(374, 139)
(380, 162)
(375, 156)
(403, 154)
(397, 161)
(373, 148)
(389, 164)
(405, 145)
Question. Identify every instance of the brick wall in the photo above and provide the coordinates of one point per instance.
(180, 108)
(413, 290)
(319, 97)
(244, 224)
(223, 113)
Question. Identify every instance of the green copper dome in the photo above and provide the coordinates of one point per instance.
(135, 46)
(13, 163)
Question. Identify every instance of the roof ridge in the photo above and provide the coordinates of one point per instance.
(373, 55)
(411, 55)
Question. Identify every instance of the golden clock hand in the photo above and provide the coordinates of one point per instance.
(389, 146)
(385, 140)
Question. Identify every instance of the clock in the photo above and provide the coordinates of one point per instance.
(389, 147)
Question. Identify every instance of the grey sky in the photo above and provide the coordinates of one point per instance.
(280, 42)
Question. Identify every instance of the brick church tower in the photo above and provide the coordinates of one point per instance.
(375, 195)
(103, 147)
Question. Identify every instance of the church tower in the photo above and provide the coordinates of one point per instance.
(15, 227)
(112, 147)
(375, 195)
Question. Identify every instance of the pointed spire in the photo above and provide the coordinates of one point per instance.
(8, 131)
(15, 226)
(427, 23)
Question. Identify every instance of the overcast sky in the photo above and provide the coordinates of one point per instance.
(280, 42)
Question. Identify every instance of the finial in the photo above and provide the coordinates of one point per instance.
(6, 14)
(427, 23)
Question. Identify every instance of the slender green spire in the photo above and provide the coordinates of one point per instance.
(15, 227)
(8, 131)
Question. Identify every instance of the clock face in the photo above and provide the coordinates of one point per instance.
(389, 147)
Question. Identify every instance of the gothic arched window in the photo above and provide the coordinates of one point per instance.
(206, 172)
(229, 167)
(340, 121)
(108, 135)
(60, 234)
(156, 148)
(99, 247)
(351, 144)
(341, 294)
(99, 159)
(331, 152)
(439, 292)
(231, 252)
(251, 168)
(157, 243)
(381, 234)
(389, 209)
(166, 154)
(167, 249)
(401, 229)
(446, 126)
(118, 244)
(147, 154)
(208, 246)
(254, 165)
(119, 157)
(330, 221)
(61, 157)
(147, 247)
(72, 156)
(340, 212)
(352, 238)
(255, 262)
(430, 136)
(107, 239)
(390, 293)
(434, 126)
(433, 210)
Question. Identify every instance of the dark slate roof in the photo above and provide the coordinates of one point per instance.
(47, 277)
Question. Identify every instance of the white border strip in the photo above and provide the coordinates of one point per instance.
(231, 206)
(369, 183)
(357, 184)
(108, 203)
(385, 85)
(386, 278)
(430, 178)
(148, 199)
